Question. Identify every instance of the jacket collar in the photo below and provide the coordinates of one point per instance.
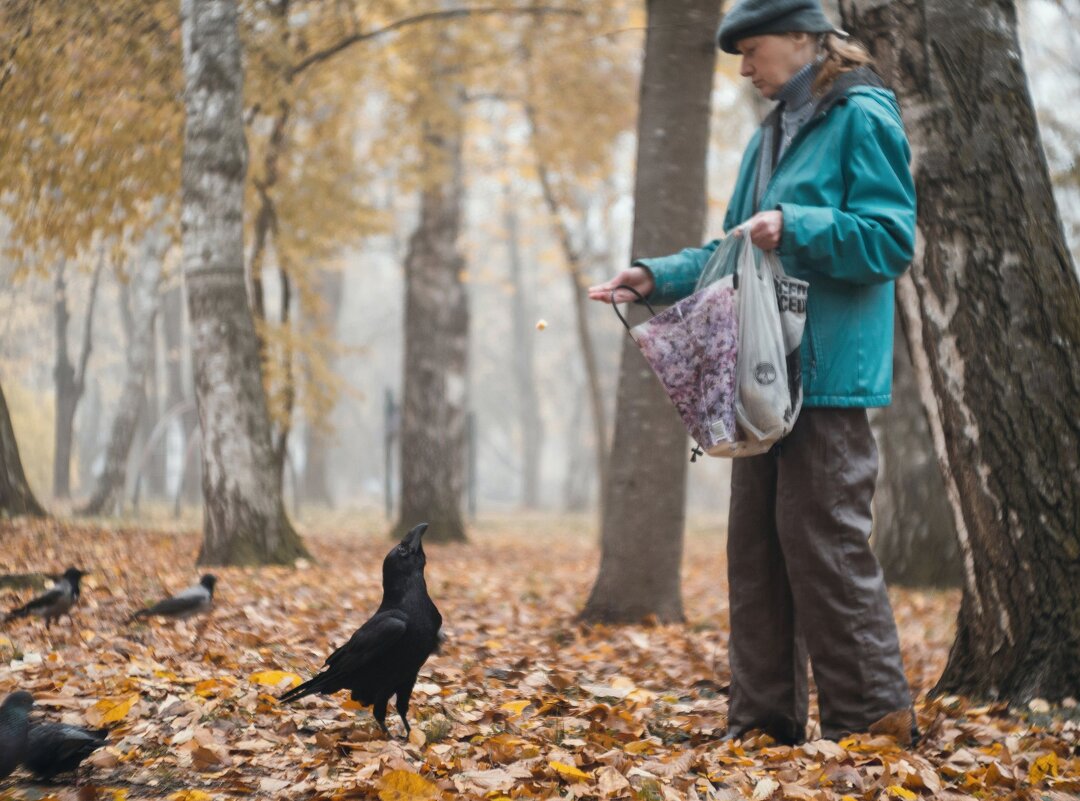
(845, 82)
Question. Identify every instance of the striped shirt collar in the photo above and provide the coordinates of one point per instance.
(796, 93)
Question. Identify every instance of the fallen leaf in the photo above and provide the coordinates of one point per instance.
(404, 785)
(569, 771)
(275, 678)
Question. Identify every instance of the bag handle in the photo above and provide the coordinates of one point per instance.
(640, 297)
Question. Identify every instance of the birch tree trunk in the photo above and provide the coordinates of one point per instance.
(244, 520)
(16, 497)
(914, 536)
(992, 311)
(644, 500)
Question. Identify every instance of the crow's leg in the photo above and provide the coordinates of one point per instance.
(402, 703)
(378, 709)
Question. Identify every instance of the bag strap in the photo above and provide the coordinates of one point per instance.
(640, 297)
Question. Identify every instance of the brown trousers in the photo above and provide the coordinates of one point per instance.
(803, 581)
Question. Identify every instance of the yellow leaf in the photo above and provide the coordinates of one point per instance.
(896, 791)
(1046, 765)
(517, 707)
(404, 785)
(352, 706)
(190, 795)
(207, 688)
(112, 710)
(569, 771)
(638, 747)
(119, 795)
(848, 798)
(274, 678)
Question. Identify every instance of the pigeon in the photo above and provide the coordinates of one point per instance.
(54, 602)
(385, 655)
(192, 601)
(54, 748)
(14, 723)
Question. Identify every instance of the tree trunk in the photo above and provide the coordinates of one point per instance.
(244, 520)
(16, 497)
(992, 311)
(435, 389)
(644, 499)
(532, 427)
(143, 296)
(70, 380)
(914, 536)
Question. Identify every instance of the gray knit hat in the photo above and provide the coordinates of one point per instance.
(757, 17)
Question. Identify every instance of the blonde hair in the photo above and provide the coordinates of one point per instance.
(840, 54)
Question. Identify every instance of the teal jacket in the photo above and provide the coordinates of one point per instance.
(845, 189)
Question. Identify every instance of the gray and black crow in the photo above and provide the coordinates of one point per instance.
(386, 653)
(14, 724)
(192, 601)
(54, 748)
(54, 602)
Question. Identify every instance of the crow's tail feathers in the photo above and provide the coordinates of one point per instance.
(15, 614)
(316, 684)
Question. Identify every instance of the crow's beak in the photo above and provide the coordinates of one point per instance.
(413, 538)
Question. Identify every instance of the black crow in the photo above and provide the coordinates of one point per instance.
(54, 602)
(14, 723)
(192, 601)
(54, 748)
(385, 654)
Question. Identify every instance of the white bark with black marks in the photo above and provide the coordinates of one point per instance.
(991, 309)
(244, 521)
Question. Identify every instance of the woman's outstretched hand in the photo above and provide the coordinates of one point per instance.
(637, 277)
(765, 227)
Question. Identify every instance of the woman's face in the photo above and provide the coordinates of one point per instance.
(769, 61)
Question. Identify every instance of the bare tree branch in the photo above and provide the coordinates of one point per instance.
(431, 16)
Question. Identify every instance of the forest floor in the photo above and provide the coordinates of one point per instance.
(522, 702)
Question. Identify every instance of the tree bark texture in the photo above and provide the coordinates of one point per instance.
(435, 390)
(914, 535)
(244, 520)
(16, 497)
(108, 493)
(644, 499)
(991, 309)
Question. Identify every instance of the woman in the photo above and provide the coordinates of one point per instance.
(826, 183)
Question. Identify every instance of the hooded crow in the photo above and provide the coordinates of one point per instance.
(193, 601)
(54, 602)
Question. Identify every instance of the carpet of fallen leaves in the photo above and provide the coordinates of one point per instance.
(522, 702)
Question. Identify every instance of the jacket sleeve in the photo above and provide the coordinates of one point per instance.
(871, 238)
(676, 276)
